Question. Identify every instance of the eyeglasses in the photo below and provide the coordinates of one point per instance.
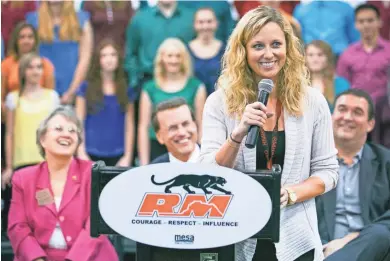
(71, 129)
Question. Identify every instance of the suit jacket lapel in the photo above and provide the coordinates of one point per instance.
(43, 182)
(367, 173)
(72, 184)
(329, 201)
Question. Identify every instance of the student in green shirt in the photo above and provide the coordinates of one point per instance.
(147, 30)
(222, 13)
(172, 78)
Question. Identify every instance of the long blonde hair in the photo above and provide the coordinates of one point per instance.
(237, 77)
(159, 69)
(70, 27)
(329, 71)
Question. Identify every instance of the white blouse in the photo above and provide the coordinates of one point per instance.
(57, 239)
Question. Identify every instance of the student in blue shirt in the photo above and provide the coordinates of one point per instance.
(206, 50)
(329, 21)
(105, 106)
(66, 39)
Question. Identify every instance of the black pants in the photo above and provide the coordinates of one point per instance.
(156, 149)
(2, 145)
(372, 244)
(6, 195)
(110, 161)
(266, 251)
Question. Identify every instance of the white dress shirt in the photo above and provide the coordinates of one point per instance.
(193, 158)
(57, 239)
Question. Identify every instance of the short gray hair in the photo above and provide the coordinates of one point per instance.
(66, 111)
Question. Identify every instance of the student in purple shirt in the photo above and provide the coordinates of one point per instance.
(106, 108)
(365, 63)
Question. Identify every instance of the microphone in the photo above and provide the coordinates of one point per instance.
(265, 87)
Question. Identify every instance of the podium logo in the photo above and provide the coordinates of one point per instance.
(193, 205)
(164, 205)
(184, 239)
(202, 182)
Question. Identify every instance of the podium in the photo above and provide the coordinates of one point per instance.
(269, 179)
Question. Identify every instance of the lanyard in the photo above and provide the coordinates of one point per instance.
(274, 141)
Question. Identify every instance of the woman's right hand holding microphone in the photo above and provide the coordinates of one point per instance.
(254, 114)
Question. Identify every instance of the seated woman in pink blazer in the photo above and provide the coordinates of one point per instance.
(50, 207)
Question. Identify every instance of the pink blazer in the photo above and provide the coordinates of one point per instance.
(31, 225)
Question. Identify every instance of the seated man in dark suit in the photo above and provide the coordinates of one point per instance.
(354, 218)
(174, 123)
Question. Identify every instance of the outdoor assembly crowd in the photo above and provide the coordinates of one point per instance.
(138, 73)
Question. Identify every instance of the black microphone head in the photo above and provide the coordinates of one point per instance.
(265, 85)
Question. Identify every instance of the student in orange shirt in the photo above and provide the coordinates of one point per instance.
(24, 39)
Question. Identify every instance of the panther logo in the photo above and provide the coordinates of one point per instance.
(197, 181)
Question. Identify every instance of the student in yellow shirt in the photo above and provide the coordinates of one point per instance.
(25, 109)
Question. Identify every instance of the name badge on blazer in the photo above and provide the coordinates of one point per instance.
(44, 197)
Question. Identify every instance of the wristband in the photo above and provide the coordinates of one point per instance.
(234, 139)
